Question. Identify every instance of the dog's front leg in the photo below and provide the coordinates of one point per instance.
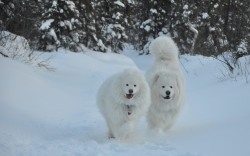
(125, 129)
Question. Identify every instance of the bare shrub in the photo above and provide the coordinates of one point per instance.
(234, 66)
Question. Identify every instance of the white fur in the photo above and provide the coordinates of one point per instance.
(166, 72)
(113, 103)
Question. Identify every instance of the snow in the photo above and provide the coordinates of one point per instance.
(192, 28)
(112, 27)
(53, 34)
(54, 3)
(205, 15)
(62, 24)
(103, 47)
(68, 24)
(146, 22)
(12, 5)
(119, 3)
(153, 11)
(147, 28)
(145, 25)
(211, 28)
(129, 1)
(54, 113)
(242, 48)
(46, 24)
(216, 5)
(185, 7)
(71, 5)
(117, 15)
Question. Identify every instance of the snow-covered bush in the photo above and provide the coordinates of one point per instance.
(242, 49)
(243, 67)
(115, 36)
(17, 48)
(57, 23)
(114, 22)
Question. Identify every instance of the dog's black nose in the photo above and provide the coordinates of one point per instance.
(130, 91)
(168, 92)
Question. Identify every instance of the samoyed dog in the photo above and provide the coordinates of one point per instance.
(122, 100)
(166, 82)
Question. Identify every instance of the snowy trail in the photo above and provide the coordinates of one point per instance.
(54, 113)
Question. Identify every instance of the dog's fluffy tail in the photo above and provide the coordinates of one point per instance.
(164, 48)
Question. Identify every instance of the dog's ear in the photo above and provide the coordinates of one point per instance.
(156, 77)
(180, 84)
(152, 79)
(178, 81)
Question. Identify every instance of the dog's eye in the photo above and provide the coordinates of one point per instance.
(134, 85)
(127, 85)
(163, 86)
(171, 86)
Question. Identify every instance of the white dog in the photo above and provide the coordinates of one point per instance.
(122, 100)
(166, 82)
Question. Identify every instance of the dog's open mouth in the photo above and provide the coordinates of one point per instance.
(167, 97)
(129, 96)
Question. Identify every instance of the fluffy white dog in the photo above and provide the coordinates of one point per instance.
(166, 82)
(122, 99)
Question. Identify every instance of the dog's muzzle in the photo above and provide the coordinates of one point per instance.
(167, 95)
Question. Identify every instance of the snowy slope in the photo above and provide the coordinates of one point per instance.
(54, 113)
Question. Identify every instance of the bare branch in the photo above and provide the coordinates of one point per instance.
(4, 55)
(195, 31)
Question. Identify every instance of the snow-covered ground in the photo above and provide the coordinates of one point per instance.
(54, 113)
